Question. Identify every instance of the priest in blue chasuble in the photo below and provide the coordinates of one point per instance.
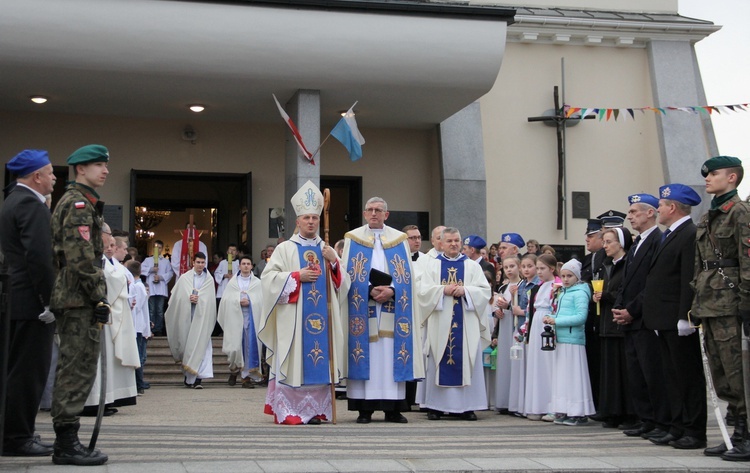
(384, 338)
(454, 298)
(295, 324)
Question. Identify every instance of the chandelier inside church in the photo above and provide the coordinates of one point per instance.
(146, 219)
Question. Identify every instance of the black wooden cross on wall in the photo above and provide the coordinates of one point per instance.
(560, 121)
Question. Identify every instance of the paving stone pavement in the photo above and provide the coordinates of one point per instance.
(223, 429)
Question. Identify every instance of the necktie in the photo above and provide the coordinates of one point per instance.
(415, 256)
(631, 254)
(665, 235)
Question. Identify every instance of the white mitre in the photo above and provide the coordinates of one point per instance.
(308, 200)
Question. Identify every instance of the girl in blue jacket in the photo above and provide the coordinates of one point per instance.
(572, 401)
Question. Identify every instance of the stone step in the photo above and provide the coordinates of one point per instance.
(161, 369)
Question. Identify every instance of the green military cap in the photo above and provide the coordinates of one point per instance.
(89, 154)
(720, 162)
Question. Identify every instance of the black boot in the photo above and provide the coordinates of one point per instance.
(740, 430)
(741, 450)
(69, 451)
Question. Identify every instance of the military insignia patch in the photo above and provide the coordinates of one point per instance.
(80, 205)
(85, 232)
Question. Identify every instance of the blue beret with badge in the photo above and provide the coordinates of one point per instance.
(680, 193)
(720, 162)
(513, 239)
(89, 154)
(28, 161)
(643, 199)
(475, 241)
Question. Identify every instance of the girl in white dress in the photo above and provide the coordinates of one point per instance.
(572, 401)
(518, 366)
(505, 310)
(539, 363)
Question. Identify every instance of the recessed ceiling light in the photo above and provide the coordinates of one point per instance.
(197, 108)
(38, 99)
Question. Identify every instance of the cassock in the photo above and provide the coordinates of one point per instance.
(457, 332)
(384, 340)
(239, 324)
(122, 349)
(189, 326)
(295, 327)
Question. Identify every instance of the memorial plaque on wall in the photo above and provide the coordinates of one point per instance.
(565, 253)
(113, 216)
(399, 219)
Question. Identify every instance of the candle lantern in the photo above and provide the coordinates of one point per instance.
(548, 338)
(493, 359)
(487, 357)
(516, 351)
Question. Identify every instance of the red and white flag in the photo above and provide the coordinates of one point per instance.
(295, 132)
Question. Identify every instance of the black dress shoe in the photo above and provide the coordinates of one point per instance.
(38, 439)
(610, 424)
(469, 415)
(232, 379)
(29, 448)
(643, 429)
(654, 433)
(313, 421)
(396, 418)
(433, 416)
(630, 425)
(504, 412)
(664, 440)
(363, 419)
(688, 443)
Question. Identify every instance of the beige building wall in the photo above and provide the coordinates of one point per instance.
(231, 148)
(521, 157)
(666, 6)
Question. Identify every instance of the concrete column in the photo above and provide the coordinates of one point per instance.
(464, 184)
(304, 110)
(686, 140)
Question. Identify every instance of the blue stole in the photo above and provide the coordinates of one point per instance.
(315, 369)
(452, 366)
(250, 339)
(397, 265)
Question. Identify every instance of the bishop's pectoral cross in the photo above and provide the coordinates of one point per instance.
(560, 122)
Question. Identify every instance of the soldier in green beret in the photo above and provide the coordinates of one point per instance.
(722, 292)
(79, 300)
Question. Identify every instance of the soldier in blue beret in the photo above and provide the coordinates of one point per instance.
(79, 300)
(667, 297)
(722, 292)
(26, 245)
(473, 245)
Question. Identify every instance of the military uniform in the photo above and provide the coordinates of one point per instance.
(79, 286)
(722, 292)
(79, 301)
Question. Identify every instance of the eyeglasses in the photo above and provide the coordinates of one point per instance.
(377, 211)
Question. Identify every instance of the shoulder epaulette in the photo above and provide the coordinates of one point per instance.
(727, 206)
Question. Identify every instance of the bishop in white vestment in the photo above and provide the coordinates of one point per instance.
(299, 323)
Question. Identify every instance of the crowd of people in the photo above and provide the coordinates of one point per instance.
(460, 328)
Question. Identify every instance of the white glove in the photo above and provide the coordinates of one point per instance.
(683, 328)
(47, 316)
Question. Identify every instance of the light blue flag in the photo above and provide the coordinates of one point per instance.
(347, 132)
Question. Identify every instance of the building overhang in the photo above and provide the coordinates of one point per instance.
(409, 64)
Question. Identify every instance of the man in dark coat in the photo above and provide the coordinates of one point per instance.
(642, 353)
(667, 299)
(26, 243)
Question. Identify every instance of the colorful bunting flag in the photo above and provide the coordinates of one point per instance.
(605, 114)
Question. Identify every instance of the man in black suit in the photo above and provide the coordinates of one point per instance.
(25, 237)
(593, 268)
(642, 353)
(667, 299)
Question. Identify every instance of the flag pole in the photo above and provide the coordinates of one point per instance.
(326, 206)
